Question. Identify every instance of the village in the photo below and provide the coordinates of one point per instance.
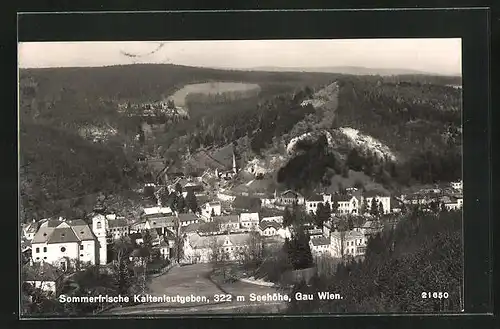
(223, 223)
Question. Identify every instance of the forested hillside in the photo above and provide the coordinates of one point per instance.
(57, 164)
(422, 254)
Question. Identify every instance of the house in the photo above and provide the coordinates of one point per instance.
(193, 187)
(453, 203)
(267, 200)
(327, 228)
(349, 243)
(314, 231)
(230, 223)
(284, 233)
(156, 212)
(457, 185)
(327, 198)
(118, 228)
(396, 205)
(319, 245)
(160, 224)
(269, 228)
(313, 202)
(290, 197)
(43, 276)
(249, 220)
(166, 249)
(380, 197)
(347, 204)
(277, 219)
(210, 209)
(202, 249)
(29, 230)
(225, 197)
(186, 219)
(371, 228)
(59, 242)
(138, 257)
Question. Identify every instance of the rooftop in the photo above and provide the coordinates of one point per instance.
(320, 241)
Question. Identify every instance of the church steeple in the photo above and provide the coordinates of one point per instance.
(235, 168)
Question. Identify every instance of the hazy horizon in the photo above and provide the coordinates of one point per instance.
(438, 56)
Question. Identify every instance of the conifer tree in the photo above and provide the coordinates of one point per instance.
(374, 207)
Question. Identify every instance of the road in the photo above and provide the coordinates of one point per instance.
(195, 280)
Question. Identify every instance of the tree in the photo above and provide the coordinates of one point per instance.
(374, 208)
(212, 213)
(287, 218)
(191, 201)
(335, 206)
(299, 251)
(124, 280)
(178, 241)
(178, 189)
(147, 240)
(381, 208)
(323, 214)
(350, 223)
(364, 206)
(255, 250)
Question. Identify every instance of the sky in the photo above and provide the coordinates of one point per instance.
(441, 56)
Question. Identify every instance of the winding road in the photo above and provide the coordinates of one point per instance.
(195, 280)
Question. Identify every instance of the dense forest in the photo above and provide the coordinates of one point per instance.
(422, 254)
(416, 116)
(420, 122)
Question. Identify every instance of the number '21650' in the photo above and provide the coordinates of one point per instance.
(435, 295)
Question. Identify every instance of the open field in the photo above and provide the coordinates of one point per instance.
(195, 280)
(213, 88)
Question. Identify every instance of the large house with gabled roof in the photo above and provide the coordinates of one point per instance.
(201, 248)
(59, 242)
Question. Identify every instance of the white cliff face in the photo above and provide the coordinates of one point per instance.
(264, 166)
(291, 147)
(366, 142)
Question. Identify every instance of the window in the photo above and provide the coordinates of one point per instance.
(37, 250)
(98, 226)
(81, 247)
(63, 249)
(44, 249)
(81, 255)
(45, 257)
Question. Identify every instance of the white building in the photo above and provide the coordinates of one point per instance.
(249, 220)
(457, 185)
(200, 249)
(454, 204)
(230, 223)
(59, 242)
(349, 243)
(187, 219)
(319, 245)
(348, 204)
(379, 198)
(290, 197)
(269, 228)
(210, 209)
(277, 219)
(312, 203)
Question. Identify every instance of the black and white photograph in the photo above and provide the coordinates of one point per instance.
(205, 177)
